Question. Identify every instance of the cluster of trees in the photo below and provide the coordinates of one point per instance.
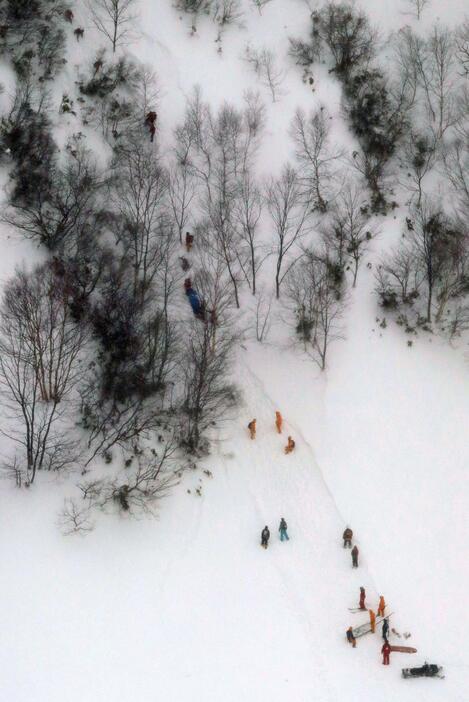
(32, 36)
(411, 123)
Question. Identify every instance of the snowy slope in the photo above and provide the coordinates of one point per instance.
(189, 608)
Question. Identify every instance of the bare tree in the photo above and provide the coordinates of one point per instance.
(349, 232)
(263, 316)
(113, 19)
(141, 199)
(266, 67)
(418, 156)
(433, 259)
(247, 213)
(207, 391)
(462, 47)
(290, 215)
(260, 4)
(318, 162)
(317, 305)
(40, 365)
(75, 518)
(418, 6)
(222, 147)
(149, 476)
(62, 206)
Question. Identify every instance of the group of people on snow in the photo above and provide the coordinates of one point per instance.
(252, 428)
(265, 534)
(347, 537)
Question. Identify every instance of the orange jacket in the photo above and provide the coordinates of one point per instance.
(278, 421)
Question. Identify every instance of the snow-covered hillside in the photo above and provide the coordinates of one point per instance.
(187, 607)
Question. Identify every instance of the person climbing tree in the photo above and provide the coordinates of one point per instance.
(386, 650)
(265, 536)
(278, 422)
(354, 553)
(361, 602)
(350, 637)
(385, 629)
(381, 606)
(283, 530)
(347, 537)
(290, 445)
(252, 428)
(372, 620)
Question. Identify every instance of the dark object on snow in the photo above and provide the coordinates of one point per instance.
(68, 16)
(385, 629)
(409, 223)
(79, 33)
(347, 537)
(354, 553)
(198, 305)
(265, 536)
(427, 670)
(185, 265)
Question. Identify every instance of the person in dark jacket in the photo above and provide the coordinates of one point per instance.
(350, 637)
(283, 530)
(265, 536)
(354, 553)
(189, 241)
(386, 650)
(361, 603)
(385, 629)
(347, 537)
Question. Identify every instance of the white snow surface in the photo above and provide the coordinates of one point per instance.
(187, 607)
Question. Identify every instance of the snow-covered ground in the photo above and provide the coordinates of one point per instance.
(187, 607)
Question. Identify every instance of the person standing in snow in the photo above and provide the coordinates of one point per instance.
(381, 606)
(385, 629)
(347, 537)
(354, 553)
(386, 650)
(189, 241)
(350, 637)
(265, 536)
(278, 422)
(252, 428)
(283, 530)
(361, 603)
(290, 446)
(372, 620)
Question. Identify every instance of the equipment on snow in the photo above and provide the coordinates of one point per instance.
(365, 628)
(427, 670)
(354, 553)
(404, 649)
(265, 536)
